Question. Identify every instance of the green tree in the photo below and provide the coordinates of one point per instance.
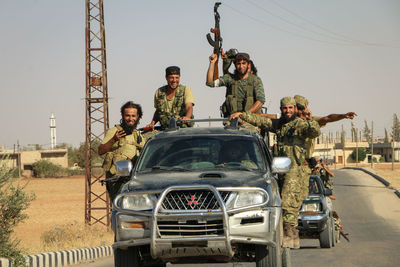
(396, 128)
(77, 155)
(361, 154)
(13, 202)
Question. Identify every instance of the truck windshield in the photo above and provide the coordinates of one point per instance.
(202, 153)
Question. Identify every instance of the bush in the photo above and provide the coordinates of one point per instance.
(13, 201)
(14, 172)
(361, 154)
(44, 168)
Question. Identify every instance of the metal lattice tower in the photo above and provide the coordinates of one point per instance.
(97, 204)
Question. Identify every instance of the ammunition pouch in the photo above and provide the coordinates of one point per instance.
(235, 102)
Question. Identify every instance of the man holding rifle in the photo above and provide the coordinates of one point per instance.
(244, 91)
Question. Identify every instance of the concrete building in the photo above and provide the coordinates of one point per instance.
(25, 158)
(388, 150)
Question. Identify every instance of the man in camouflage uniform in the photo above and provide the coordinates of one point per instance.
(303, 111)
(172, 101)
(291, 134)
(244, 90)
(324, 173)
(122, 142)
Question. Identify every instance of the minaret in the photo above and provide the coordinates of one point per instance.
(53, 135)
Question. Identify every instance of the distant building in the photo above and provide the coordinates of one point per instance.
(25, 158)
(388, 150)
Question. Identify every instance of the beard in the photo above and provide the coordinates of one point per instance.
(284, 119)
(128, 129)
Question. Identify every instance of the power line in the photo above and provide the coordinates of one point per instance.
(281, 29)
(297, 25)
(343, 42)
(328, 30)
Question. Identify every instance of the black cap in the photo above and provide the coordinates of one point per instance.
(242, 56)
(172, 70)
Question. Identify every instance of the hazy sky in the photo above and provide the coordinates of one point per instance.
(342, 55)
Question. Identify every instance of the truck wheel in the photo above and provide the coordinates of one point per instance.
(270, 256)
(286, 258)
(127, 257)
(325, 237)
(333, 232)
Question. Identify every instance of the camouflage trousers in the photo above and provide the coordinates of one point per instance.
(305, 180)
(294, 189)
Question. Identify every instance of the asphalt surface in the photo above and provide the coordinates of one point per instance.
(370, 213)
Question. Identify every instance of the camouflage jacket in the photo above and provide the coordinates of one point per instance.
(291, 136)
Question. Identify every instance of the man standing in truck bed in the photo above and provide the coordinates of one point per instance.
(244, 91)
(292, 133)
(172, 101)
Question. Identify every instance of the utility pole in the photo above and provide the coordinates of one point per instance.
(97, 203)
(19, 160)
(392, 153)
(343, 145)
(356, 130)
(372, 144)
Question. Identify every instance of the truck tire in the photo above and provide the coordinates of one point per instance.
(333, 232)
(270, 256)
(325, 237)
(286, 258)
(127, 257)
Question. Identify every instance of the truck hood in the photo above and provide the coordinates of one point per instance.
(160, 180)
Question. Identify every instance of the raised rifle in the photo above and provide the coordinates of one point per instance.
(217, 42)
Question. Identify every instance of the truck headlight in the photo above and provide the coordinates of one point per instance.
(248, 198)
(137, 202)
(312, 206)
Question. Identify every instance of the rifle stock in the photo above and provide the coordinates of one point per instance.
(216, 69)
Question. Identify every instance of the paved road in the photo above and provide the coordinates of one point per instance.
(370, 214)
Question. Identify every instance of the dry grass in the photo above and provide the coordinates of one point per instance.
(59, 207)
(382, 169)
(71, 236)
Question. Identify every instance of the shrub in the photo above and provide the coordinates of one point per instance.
(13, 201)
(44, 168)
(14, 172)
(361, 154)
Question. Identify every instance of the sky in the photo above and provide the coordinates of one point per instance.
(342, 55)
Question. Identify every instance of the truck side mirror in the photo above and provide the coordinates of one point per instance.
(124, 168)
(281, 165)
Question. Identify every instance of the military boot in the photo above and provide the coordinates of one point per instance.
(287, 241)
(296, 238)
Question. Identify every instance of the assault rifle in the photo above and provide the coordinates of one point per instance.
(217, 42)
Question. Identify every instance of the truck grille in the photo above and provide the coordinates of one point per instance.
(193, 200)
(190, 228)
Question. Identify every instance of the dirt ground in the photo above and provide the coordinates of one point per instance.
(382, 169)
(59, 201)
